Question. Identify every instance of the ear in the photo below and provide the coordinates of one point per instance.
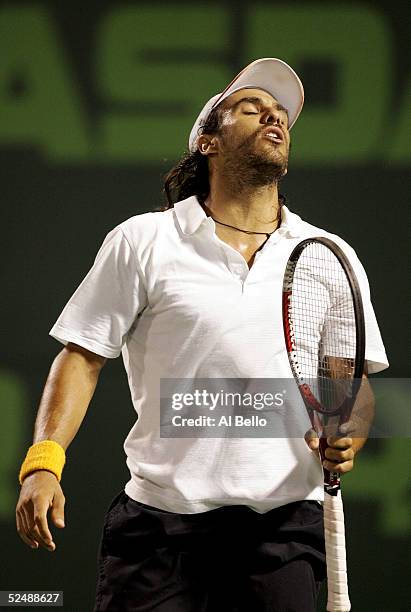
(207, 144)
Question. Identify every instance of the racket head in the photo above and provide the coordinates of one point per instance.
(324, 328)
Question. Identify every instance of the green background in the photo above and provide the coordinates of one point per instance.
(96, 103)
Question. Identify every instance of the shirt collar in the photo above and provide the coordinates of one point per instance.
(291, 224)
(190, 215)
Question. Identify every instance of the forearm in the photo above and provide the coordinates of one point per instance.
(67, 394)
(362, 415)
(350, 437)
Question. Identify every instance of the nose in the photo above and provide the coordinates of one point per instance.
(272, 115)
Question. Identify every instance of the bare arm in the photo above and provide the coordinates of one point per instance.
(342, 450)
(67, 393)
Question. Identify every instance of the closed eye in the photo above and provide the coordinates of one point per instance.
(257, 103)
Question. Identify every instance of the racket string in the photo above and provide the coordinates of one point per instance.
(322, 324)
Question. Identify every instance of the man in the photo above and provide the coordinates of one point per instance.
(192, 292)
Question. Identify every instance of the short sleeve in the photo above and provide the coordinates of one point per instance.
(103, 308)
(375, 354)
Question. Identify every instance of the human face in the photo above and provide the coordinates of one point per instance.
(254, 119)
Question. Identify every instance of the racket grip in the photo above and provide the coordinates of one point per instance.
(331, 479)
(334, 531)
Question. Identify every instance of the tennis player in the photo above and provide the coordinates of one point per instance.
(193, 291)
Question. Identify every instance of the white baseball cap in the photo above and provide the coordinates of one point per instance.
(270, 74)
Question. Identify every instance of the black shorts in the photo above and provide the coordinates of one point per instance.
(231, 559)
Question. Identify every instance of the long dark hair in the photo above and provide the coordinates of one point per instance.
(191, 174)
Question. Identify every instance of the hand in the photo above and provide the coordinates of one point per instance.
(40, 491)
(340, 452)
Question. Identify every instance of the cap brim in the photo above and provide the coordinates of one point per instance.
(270, 74)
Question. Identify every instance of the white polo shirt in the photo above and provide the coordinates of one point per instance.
(178, 302)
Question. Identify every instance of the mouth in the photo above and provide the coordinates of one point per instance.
(274, 134)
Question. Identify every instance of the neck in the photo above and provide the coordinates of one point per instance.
(248, 207)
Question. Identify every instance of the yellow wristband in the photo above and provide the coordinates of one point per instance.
(45, 455)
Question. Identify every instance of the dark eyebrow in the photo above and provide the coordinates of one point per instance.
(257, 100)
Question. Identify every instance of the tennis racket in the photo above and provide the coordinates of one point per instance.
(325, 339)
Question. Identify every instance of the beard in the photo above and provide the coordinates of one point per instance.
(250, 166)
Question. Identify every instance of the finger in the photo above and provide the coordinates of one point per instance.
(348, 427)
(40, 526)
(337, 455)
(26, 515)
(314, 444)
(22, 530)
(311, 439)
(341, 443)
(32, 531)
(357, 427)
(57, 510)
(35, 533)
(341, 468)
